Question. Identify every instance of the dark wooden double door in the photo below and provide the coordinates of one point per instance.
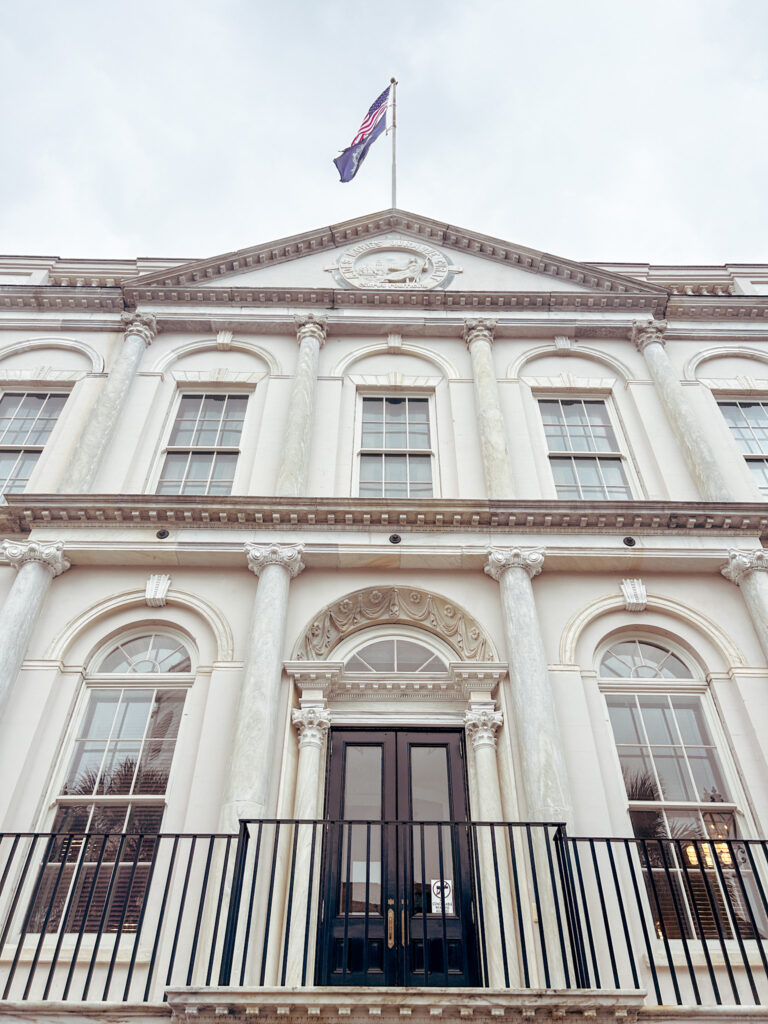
(397, 881)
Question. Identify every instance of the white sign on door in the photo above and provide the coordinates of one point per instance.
(442, 895)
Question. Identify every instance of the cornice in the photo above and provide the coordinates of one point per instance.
(348, 232)
(717, 307)
(53, 297)
(24, 512)
(330, 298)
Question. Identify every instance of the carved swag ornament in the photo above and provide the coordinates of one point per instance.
(394, 604)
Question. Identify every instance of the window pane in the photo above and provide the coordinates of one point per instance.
(418, 423)
(370, 476)
(420, 468)
(564, 476)
(153, 653)
(759, 470)
(84, 770)
(373, 423)
(625, 719)
(186, 418)
(707, 774)
(379, 656)
(673, 773)
(411, 656)
(395, 479)
(658, 720)
(395, 423)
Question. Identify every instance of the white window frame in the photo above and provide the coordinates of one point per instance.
(623, 453)
(749, 459)
(26, 388)
(432, 451)
(696, 686)
(244, 449)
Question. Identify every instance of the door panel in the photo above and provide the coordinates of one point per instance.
(398, 876)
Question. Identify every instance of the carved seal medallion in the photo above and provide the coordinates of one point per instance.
(399, 264)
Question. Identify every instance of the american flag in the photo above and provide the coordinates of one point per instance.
(377, 111)
(374, 123)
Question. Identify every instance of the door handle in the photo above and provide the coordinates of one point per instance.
(390, 928)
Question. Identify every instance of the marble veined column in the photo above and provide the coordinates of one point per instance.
(749, 571)
(545, 779)
(36, 564)
(648, 337)
(256, 726)
(482, 721)
(312, 723)
(297, 441)
(478, 335)
(139, 330)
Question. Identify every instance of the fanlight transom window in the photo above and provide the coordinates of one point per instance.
(639, 659)
(154, 652)
(395, 655)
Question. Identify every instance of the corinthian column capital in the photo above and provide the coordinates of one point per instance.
(479, 330)
(648, 332)
(49, 555)
(311, 325)
(502, 559)
(286, 555)
(482, 724)
(312, 725)
(143, 324)
(742, 563)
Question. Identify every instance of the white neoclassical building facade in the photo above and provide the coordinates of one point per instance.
(384, 633)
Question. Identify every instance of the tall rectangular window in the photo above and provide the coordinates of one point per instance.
(396, 448)
(583, 449)
(109, 811)
(748, 422)
(26, 422)
(202, 450)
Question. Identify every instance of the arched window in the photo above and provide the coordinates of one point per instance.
(155, 652)
(395, 654)
(678, 790)
(115, 780)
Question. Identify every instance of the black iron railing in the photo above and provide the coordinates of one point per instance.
(503, 905)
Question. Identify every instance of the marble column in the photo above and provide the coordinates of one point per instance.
(482, 721)
(545, 779)
(297, 441)
(312, 723)
(704, 466)
(478, 335)
(36, 564)
(139, 330)
(256, 726)
(749, 571)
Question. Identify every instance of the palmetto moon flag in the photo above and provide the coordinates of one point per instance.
(374, 123)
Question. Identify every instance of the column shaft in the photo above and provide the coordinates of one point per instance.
(699, 456)
(37, 564)
(545, 779)
(297, 441)
(493, 437)
(749, 570)
(95, 438)
(256, 728)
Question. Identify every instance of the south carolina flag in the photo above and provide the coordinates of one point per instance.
(374, 123)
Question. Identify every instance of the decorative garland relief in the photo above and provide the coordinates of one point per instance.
(394, 604)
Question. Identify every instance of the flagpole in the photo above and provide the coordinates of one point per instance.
(393, 82)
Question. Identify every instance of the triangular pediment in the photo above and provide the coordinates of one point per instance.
(390, 251)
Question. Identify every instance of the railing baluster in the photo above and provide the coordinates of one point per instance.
(83, 887)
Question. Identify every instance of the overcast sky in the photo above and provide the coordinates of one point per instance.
(593, 129)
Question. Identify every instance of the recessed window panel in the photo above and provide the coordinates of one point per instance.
(393, 430)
